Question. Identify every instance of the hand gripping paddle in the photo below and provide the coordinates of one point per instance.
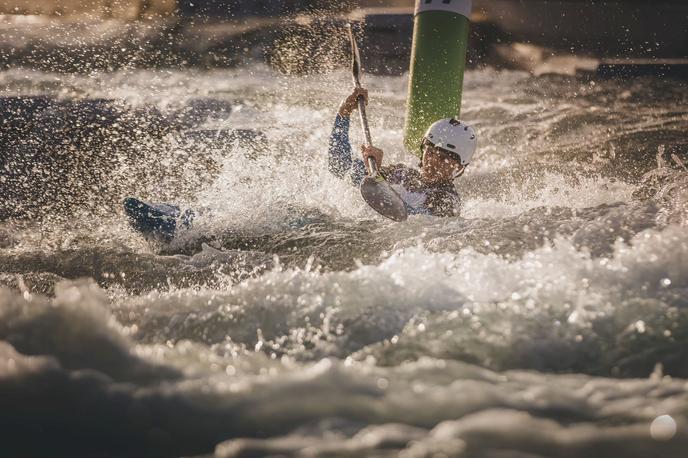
(376, 191)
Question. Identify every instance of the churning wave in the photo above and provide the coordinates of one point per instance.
(548, 320)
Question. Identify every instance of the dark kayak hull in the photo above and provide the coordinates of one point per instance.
(157, 220)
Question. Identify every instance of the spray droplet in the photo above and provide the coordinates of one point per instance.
(663, 428)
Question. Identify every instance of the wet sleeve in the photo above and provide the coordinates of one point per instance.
(339, 153)
(340, 160)
(358, 172)
(443, 203)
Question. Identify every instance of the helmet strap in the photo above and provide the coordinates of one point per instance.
(423, 143)
(458, 173)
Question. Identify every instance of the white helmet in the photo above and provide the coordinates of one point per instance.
(454, 136)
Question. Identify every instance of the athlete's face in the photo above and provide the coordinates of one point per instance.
(440, 166)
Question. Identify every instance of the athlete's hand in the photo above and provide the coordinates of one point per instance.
(350, 103)
(375, 153)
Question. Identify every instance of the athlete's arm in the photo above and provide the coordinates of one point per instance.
(339, 155)
(339, 152)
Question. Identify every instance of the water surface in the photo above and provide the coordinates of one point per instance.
(550, 319)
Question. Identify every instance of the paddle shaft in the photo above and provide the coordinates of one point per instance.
(372, 165)
(366, 130)
(364, 121)
(355, 73)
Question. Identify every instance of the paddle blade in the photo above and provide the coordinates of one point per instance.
(382, 198)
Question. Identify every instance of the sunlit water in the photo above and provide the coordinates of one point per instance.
(550, 319)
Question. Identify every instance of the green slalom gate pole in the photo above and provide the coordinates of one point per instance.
(438, 61)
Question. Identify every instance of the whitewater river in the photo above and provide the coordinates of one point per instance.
(549, 320)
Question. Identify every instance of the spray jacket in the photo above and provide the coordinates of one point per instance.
(419, 198)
